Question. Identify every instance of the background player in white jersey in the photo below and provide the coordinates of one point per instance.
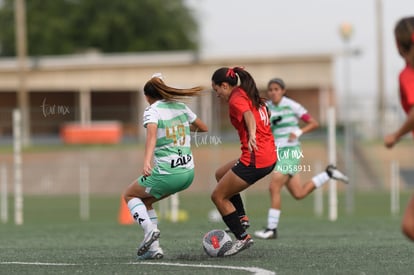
(285, 114)
(168, 123)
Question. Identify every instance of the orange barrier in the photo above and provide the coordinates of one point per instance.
(105, 132)
(124, 216)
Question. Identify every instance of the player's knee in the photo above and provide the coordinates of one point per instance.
(214, 197)
(298, 196)
(275, 187)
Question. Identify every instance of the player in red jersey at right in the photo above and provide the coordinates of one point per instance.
(404, 36)
(249, 116)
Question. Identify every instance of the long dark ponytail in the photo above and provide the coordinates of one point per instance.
(247, 83)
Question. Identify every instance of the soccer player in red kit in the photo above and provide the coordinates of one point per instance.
(248, 114)
(404, 36)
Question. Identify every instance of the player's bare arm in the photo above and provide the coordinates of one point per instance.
(408, 126)
(198, 126)
(251, 128)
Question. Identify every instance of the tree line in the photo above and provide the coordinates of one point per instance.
(56, 27)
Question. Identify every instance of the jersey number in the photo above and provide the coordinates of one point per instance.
(264, 116)
(176, 133)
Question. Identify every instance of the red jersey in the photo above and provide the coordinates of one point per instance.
(265, 155)
(407, 89)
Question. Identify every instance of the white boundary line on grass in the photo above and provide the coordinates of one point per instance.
(254, 270)
(38, 263)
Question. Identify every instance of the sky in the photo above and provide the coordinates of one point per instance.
(303, 27)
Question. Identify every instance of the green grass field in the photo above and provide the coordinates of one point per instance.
(53, 240)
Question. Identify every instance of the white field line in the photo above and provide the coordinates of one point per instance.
(37, 263)
(253, 270)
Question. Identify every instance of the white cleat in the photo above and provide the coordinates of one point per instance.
(157, 253)
(239, 245)
(151, 237)
(335, 174)
(266, 233)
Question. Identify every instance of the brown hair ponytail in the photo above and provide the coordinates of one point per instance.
(157, 89)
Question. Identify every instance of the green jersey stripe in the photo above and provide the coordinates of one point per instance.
(165, 153)
(171, 105)
(287, 124)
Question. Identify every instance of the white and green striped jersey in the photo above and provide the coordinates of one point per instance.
(284, 119)
(172, 152)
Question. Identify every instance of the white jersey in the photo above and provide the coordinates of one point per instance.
(172, 152)
(284, 119)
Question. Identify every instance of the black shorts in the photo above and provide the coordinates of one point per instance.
(251, 174)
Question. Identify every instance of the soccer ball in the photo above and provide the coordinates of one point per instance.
(216, 242)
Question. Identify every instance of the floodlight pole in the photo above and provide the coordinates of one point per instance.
(21, 51)
(380, 69)
(346, 31)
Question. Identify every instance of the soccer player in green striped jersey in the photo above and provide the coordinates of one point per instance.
(168, 123)
(285, 114)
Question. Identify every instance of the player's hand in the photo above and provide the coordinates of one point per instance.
(390, 140)
(292, 137)
(295, 134)
(146, 171)
(252, 143)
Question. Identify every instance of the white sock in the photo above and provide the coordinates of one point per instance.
(154, 219)
(140, 214)
(273, 218)
(320, 179)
